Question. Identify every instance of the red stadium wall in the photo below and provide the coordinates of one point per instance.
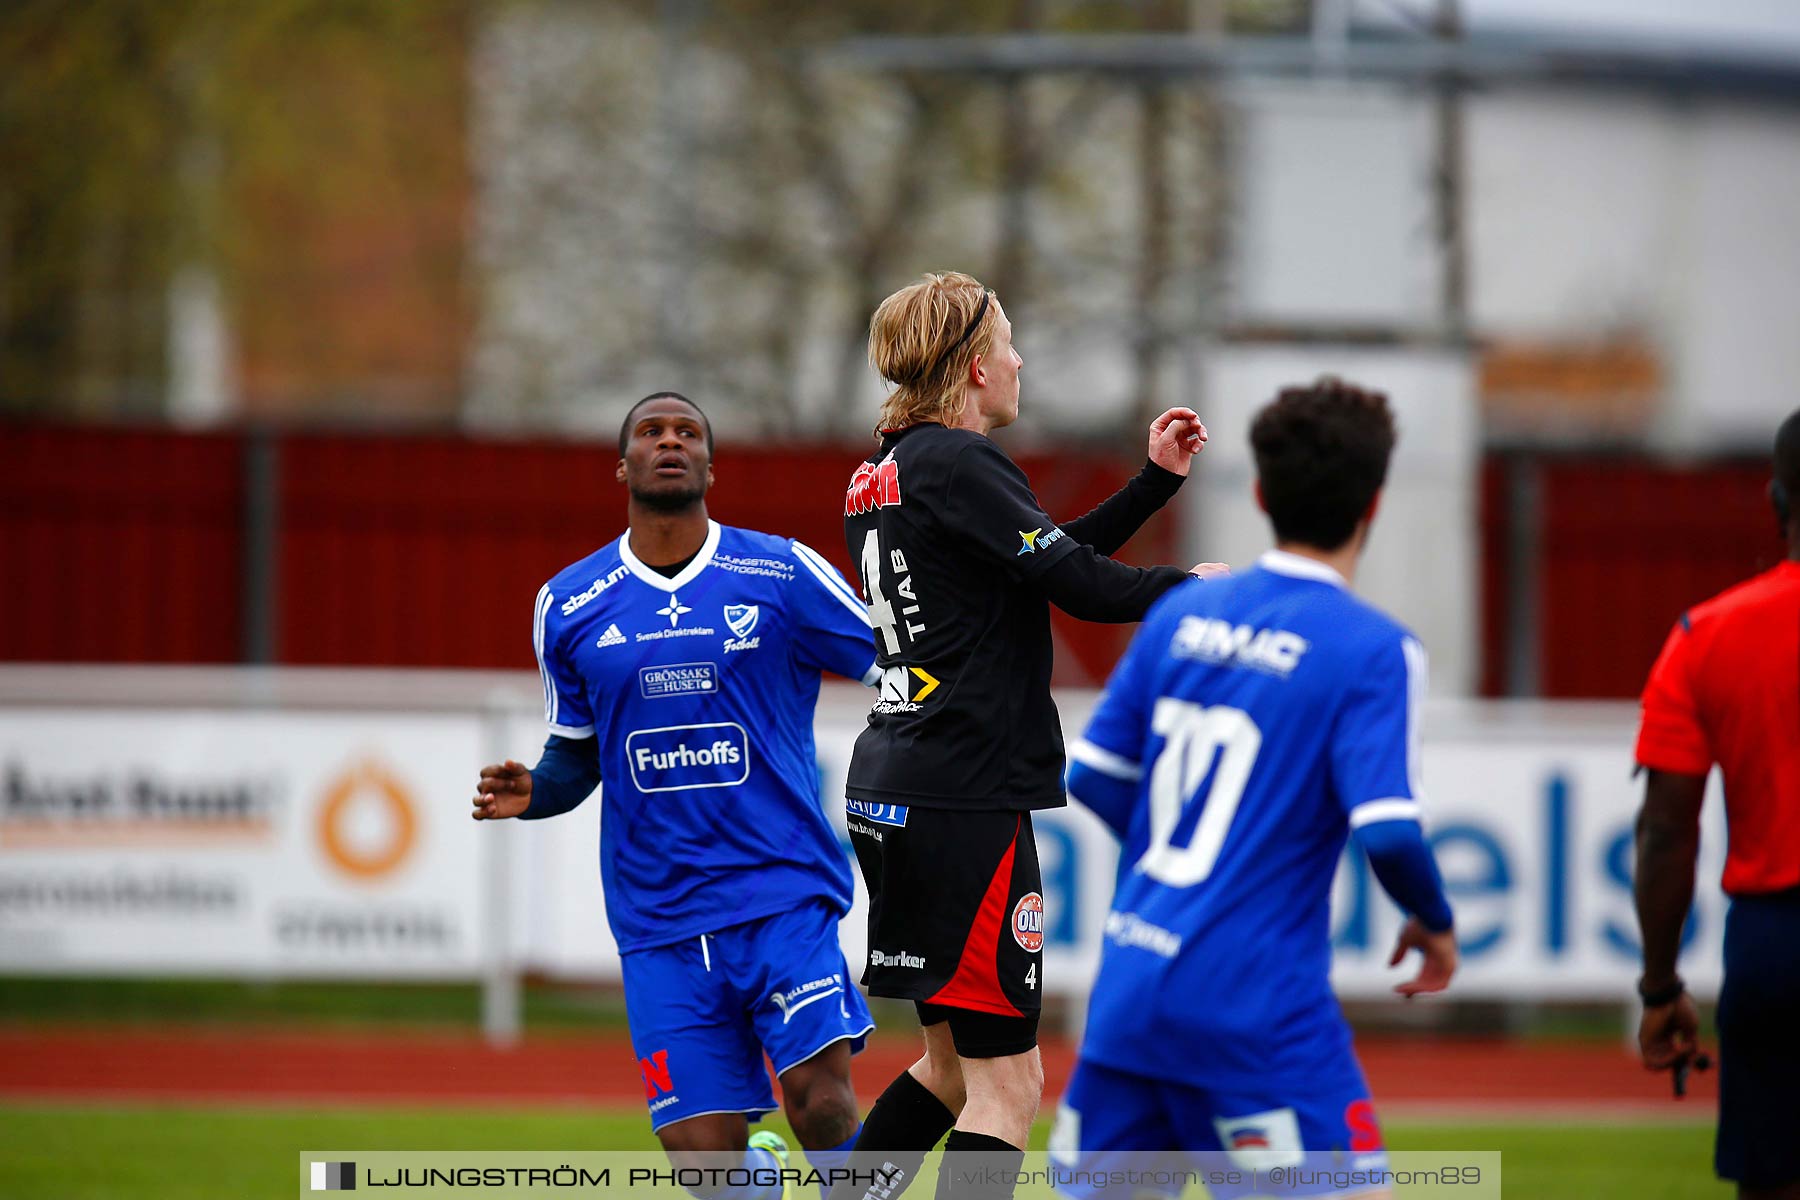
(425, 550)
(120, 546)
(1622, 548)
(394, 550)
(1626, 548)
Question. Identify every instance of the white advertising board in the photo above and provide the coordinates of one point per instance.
(1529, 808)
(293, 844)
(239, 843)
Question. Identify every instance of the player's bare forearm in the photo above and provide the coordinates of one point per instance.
(1668, 839)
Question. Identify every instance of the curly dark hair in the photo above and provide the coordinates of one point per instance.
(1321, 455)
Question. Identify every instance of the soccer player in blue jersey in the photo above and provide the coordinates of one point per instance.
(681, 664)
(1255, 723)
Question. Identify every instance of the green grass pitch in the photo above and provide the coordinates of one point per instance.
(88, 1152)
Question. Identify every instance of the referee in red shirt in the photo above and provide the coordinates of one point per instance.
(1726, 689)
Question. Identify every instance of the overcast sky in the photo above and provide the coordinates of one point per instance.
(1755, 25)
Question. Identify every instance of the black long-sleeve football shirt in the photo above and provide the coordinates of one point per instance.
(959, 565)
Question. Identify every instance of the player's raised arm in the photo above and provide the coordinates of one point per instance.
(990, 505)
(1175, 437)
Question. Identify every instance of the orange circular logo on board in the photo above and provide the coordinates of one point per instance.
(367, 783)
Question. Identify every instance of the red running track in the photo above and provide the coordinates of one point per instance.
(1419, 1076)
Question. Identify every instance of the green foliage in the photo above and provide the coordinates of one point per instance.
(124, 125)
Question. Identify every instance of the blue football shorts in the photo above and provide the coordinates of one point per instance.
(1120, 1134)
(704, 1011)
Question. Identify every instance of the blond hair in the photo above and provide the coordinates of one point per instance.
(923, 339)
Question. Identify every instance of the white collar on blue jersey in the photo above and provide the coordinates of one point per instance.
(658, 580)
(1299, 566)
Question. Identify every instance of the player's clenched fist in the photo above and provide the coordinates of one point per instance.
(1175, 437)
(504, 791)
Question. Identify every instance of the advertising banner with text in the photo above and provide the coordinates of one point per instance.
(270, 844)
(1529, 808)
(239, 843)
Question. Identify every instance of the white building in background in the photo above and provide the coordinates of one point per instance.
(1632, 268)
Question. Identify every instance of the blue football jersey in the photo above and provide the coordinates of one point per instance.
(700, 689)
(1260, 719)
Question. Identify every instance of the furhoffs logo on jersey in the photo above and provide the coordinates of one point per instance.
(680, 757)
(875, 485)
(1028, 922)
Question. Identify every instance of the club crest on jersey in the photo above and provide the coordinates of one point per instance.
(1028, 922)
(742, 618)
(1033, 540)
(875, 485)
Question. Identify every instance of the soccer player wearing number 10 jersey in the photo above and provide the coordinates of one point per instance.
(1254, 724)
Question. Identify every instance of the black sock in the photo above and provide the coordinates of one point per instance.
(899, 1131)
(978, 1167)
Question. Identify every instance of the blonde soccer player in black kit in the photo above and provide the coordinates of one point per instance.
(959, 565)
